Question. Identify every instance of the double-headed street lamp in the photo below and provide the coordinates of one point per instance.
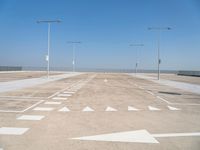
(49, 30)
(159, 29)
(74, 59)
(136, 64)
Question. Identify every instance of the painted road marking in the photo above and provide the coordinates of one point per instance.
(86, 109)
(1, 148)
(163, 99)
(64, 109)
(68, 92)
(53, 103)
(130, 108)
(59, 98)
(64, 95)
(150, 92)
(153, 108)
(110, 109)
(43, 108)
(173, 108)
(16, 111)
(30, 117)
(138, 136)
(12, 131)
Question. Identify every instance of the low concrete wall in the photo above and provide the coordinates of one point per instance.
(10, 68)
(189, 73)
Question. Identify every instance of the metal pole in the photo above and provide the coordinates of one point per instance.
(159, 32)
(158, 55)
(136, 65)
(137, 51)
(48, 66)
(73, 57)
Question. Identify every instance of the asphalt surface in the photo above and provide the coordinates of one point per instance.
(147, 115)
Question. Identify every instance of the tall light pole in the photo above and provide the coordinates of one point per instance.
(159, 29)
(136, 64)
(48, 49)
(74, 59)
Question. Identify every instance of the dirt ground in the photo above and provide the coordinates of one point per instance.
(93, 104)
(175, 77)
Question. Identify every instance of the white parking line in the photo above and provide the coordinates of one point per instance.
(150, 92)
(20, 111)
(163, 99)
(43, 109)
(59, 98)
(153, 108)
(30, 117)
(64, 95)
(68, 92)
(12, 131)
(52, 103)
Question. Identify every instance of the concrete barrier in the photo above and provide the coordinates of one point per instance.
(189, 73)
(10, 68)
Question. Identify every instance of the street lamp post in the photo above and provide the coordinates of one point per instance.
(159, 29)
(136, 64)
(48, 45)
(74, 59)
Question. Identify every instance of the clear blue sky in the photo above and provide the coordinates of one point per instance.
(106, 28)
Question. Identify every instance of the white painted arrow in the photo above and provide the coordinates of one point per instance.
(138, 136)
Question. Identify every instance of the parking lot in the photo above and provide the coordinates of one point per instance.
(99, 111)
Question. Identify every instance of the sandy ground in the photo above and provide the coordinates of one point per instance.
(100, 91)
(11, 76)
(174, 77)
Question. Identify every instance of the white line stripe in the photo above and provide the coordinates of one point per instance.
(20, 111)
(68, 92)
(64, 95)
(150, 92)
(13, 131)
(176, 134)
(33, 105)
(52, 103)
(43, 109)
(30, 117)
(163, 99)
(153, 108)
(59, 98)
(65, 89)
